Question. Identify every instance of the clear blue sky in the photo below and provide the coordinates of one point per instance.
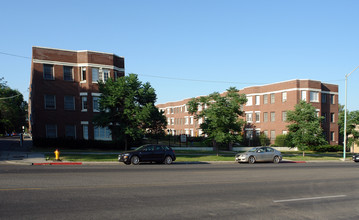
(209, 42)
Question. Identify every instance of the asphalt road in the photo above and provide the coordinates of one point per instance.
(180, 191)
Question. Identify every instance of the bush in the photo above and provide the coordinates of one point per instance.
(281, 140)
(326, 148)
(264, 140)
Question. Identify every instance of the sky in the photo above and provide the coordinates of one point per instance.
(188, 48)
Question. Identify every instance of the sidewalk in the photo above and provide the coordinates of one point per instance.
(21, 157)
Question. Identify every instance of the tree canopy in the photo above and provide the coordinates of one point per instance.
(352, 122)
(13, 109)
(304, 128)
(127, 108)
(220, 115)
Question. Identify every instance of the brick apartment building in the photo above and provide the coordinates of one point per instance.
(64, 92)
(266, 109)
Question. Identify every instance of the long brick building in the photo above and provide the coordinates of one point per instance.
(64, 92)
(266, 109)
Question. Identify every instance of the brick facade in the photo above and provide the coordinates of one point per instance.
(63, 92)
(266, 109)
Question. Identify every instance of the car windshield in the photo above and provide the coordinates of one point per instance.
(254, 149)
(141, 148)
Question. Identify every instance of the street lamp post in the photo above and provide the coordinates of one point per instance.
(169, 137)
(345, 113)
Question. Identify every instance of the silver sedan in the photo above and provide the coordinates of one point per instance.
(262, 154)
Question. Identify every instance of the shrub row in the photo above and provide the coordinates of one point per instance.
(326, 148)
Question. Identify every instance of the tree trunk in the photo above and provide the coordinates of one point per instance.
(125, 143)
(214, 143)
(303, 154)
(230, 146)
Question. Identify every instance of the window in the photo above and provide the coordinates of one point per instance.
(102, 133)
(272, 98)
(96, 104)
(117, 74)
(272, 135)
(186, 120)
(192, 134)
(51, 131)
(314, 96)
(85, 132)
(50, 102)
(258, 100)
(249, 117)
(249, 100)
(200, 120)
(332, 99)
(332, 117)
(103, 75)
(304, 95)
(191, 120)
(324, 115)
(69, 102)
(258, 118)
(284, 96)
(95, 74)
(332, 136)
(48, 72)
(284, 132)
(83, 73)
(265, 99)
(68, 73)
(324, 98)
(265, 117)
(249, 134)
(172, 121)
(70, 131)
(272, 116)
(84, 103)
(284, 116)
(265, 133)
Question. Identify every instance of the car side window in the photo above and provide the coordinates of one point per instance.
(149, 148)
(260, 150)
(270, 150)
(158, 148)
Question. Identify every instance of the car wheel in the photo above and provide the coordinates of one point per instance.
(276, 159)
(168, 160)
(251, 160)
(135, 160)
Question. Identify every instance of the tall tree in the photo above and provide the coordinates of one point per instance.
(126, 106)
(221, 115)
(304, 128)
(352, 122)
(13, 109)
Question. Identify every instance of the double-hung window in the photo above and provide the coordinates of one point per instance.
(314, 96)
(83, 73)
(69, 102)
(51, 131)
(70, 131)
(68, 73)
(284, 96)
(272, 98)
(84, 103)
(102, 133)
(50, 102)
(96, 104)
(95, 75)
(48, 72)
(258, 100)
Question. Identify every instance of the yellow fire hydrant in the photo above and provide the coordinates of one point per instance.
(57, 154)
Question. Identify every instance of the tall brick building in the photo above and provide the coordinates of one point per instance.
(266, 109)
(64, 92)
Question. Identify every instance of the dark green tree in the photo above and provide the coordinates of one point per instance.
(221, 116)
(352, 122)
(13, 109)
(304, 128)
(126, 106)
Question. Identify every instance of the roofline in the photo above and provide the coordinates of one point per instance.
(77, 51)
(287, 81)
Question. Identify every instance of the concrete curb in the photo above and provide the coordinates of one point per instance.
(57, 163)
